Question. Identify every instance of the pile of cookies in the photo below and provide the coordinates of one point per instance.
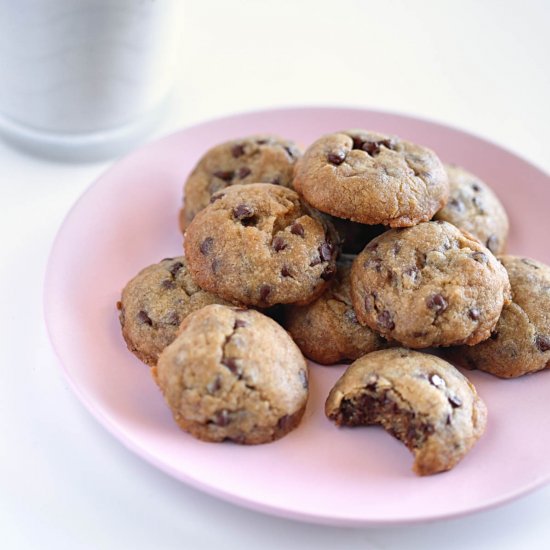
(365, 248)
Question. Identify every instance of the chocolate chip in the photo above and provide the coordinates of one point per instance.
(303, 378)
(240, 323)
(357, 142)
(328, 273)
(172, 318)
(337, 157)
(492, 243)
(437, 381)
(284, 422)
(289, 152)
(214, 198)
(529, 262)
(325, 252)
(237, 150)
(474, 314)
(385, 320)
(373, 147)
(494, 335)
(224, 175)
(265, 291)
(455, 204)
(396, 247)
(297, 229)
(542, 342)
(167, 259)
(142, 317)
(448, 421)
(174, 268)
(478, 203)
(214, 385)
(279, 244)
(261, 141)
(206, 246)
(437, 303)
(455, 401)
(285, 272)
(480, 257)
(215, 265)
(315, 261)
(476, 187)
(243, 212)
(372, 382)
(222, 418)
(119, 305)
(371, 246)
(276, 181)
(231, 363)
(243, 172)
(168, 284)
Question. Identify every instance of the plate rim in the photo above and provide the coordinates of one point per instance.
(143, 453)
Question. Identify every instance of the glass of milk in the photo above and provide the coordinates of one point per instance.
(85, 79)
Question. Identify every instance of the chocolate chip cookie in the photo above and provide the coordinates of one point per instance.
(420, 399)
(520, 342)
(233, 374)
(327, 330)
(473, 207)
(372, 178)
(254, 159)
(429, 285)
(154, 303)
(259, 245)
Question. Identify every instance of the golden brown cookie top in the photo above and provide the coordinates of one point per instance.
(252, 159)
(520, 342)
(154, 303)
(372, 178)
(429, 285)
(233, 374)
(474, 207)
(259, 245)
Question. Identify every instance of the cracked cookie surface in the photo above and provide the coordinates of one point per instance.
(253, 159)
(474, 207)
(429, 285)
(327, 330)
(420, 399)
(259, 245)
(520, 342)
(233, 374)
(154, 303)
(372, 178)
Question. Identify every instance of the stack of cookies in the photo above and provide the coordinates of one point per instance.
(364, 249)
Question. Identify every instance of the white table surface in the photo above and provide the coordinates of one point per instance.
(64, 481)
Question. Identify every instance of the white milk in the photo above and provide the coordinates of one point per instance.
(75, 71)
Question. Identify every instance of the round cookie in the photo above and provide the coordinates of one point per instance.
(372, 178)
(327, 330)
(418, 398)
(429, 285)
(355, 236)
(233, 374)
(253, 159)
(154, 303)
(259, 245)
(473, 207)
(520, 342)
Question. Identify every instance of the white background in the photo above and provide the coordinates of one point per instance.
(64, 481)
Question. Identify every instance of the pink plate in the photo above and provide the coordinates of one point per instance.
(319, 473)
